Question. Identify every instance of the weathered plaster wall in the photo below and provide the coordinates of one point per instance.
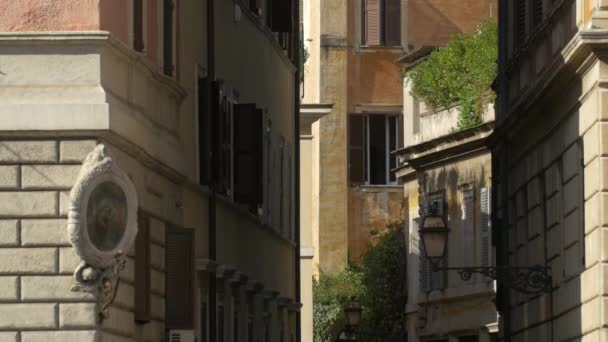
(374, 78)
(434, 22)
(49, 15)
(371, 208)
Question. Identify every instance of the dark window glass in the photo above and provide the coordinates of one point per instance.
(377, 149)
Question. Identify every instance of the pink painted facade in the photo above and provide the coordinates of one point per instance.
(83, 15)
(114, 17)
(49, 15)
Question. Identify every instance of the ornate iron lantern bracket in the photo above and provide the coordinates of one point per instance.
(529, 280)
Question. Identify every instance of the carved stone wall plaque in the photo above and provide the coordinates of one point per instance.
(102, 225)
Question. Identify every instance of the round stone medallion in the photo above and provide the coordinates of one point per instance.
(106, 216)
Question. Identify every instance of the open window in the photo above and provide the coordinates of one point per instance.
(372, 137)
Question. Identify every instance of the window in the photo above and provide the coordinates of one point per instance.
(468, 224)
(381, 22)
(204, 315)
(235, 315)
(220, 313)
(180, 278)
(168, 41)
(519, 22)
(372, 137)
(537, 12)
(250, 316)
(138, 25)
(204, 131)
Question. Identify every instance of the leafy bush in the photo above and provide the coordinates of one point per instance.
(330, 293)
(379, 285)
(461, 72)
(385, 279)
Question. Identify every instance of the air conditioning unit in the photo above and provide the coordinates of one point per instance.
(181, 335)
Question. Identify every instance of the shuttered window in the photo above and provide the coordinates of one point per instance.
(168, 65)
(225, 146)
(281, 15)
(438, 279)
(204, 131)
(537, 12)
(138, 25)
(392, 22)
(381, 22)
(486, 229)
(180, 278)
(356, 148)
(142, 269)
(248, 158)
(215, 145)
(468, 226)
(519, 22)
(372, 22)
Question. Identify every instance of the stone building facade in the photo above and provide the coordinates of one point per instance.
(453, 169)
(549, 175)
(144, 79)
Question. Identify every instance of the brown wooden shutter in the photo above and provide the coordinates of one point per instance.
(168, 7)
(356, 148)
(179, 304)
(392, 22)
(204, 131)
(248, 159)
(142, 269)
(372, 22)
(281, 15)
(138, 25)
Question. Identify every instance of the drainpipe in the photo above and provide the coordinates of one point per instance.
(212, 188)
(296, 118)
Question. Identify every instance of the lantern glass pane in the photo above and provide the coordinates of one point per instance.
(434, 243)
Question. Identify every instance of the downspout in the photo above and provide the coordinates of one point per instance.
(212, 160)
(296, 111)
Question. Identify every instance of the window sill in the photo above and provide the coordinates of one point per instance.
(377, 187)
(373, 48)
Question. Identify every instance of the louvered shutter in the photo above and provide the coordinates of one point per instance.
(168, 7)
(424, 271)
(356, 148)
(468, 225)
(180, 278)
(215, 146)
(248, 157)
(204, 131)
(138, 25)
(225, 146)
(537, 12)
(281, 16)
(519, 17)
(142, 269)
(486, 228)
(392, 22)
(372, 22)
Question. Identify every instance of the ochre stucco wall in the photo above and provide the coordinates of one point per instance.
(374, 78)
(371, 208)
(434, 22)
(49, 15)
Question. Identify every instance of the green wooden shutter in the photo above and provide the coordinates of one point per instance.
(486, 229)
(179, 304)
(248, 159)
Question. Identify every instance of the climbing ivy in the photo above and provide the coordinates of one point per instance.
(460, 73)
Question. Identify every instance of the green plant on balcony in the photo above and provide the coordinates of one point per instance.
(460, 73)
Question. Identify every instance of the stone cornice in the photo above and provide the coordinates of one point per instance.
(94, 38)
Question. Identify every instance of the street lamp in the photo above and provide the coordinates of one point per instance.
(352, 311)
(434, 236)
